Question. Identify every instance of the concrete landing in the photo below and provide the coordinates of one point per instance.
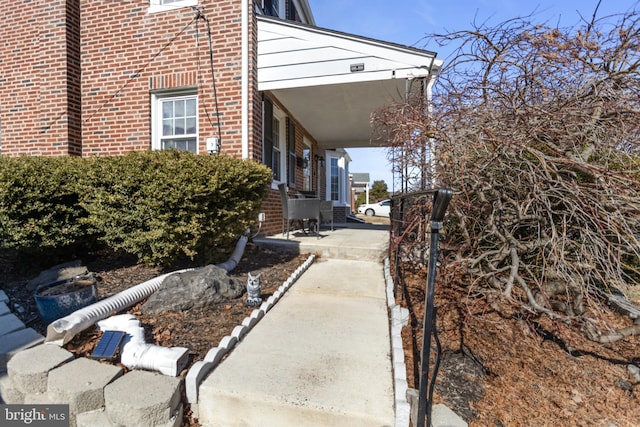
(320, 358)
(362, 242)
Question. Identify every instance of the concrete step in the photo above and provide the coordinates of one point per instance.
(319, 358)
(80, 383)
(97, 393)
(15, 341)
(144, 399)
(4, 309)
(29, 369)
(100, 419)
(10, 323)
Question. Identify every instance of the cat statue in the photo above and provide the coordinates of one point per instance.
(254, 287)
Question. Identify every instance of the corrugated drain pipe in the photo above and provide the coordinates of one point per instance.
(63, 330)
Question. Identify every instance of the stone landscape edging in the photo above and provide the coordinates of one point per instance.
(399, 317)
(200, 369)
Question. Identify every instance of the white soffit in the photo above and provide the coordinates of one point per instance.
(309, 70)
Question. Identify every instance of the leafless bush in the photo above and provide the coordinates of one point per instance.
(537, 130)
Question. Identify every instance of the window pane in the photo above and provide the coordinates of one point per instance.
(191, 107)
(167, 109)
(187, 144)
(276, 131)
(276, 167)
(179, 108)
(334, 179)
(167, 127)
(276, 159)
(191, 125)
(271, 7)
(179, 129)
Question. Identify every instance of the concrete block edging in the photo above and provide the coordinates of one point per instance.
(398, 319)
(201, 369)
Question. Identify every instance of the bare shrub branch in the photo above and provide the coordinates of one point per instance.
(537, 129)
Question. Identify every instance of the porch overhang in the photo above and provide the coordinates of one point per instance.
(332, 82)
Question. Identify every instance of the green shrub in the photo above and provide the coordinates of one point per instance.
(163, 206)
(39, 206)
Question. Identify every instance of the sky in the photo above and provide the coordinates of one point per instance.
(407, 21)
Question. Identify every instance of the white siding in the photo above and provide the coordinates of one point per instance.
(294, 55)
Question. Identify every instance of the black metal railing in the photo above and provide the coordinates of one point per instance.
(409, 231)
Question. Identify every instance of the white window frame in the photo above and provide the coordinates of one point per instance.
(307, 170)
(342, 174)
(280, 143)
(157, 6)
(156, 115)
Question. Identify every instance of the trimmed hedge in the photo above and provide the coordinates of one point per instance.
(39, 204)
(162, 206)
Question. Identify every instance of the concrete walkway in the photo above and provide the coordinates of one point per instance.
(321, 357)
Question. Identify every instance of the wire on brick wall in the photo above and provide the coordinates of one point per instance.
(200, 15)
(140, 70)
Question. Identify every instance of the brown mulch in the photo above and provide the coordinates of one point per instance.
(197, 330)
(511, 368)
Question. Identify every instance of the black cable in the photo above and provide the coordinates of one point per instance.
(137, 73)
(206, 110)
(200, 15)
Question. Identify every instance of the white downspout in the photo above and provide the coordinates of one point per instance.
(136, 353)
(245, 79)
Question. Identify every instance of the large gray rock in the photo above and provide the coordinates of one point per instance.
(195, 289)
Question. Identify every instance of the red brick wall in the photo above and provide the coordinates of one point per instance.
(272, 207)
(127, 53)
(47, 107)
(39, 63)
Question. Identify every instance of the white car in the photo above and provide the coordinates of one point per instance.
(376, 209)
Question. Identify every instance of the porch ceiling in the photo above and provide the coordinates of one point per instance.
(332, 82)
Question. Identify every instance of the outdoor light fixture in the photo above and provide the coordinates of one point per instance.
(319, 159)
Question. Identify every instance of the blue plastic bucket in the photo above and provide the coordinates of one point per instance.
(59, 299)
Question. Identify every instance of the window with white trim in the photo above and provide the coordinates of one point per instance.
(279, 151)
(334, 171)
(175, 121)
(273, 139)
(164, 5)
(271, 7)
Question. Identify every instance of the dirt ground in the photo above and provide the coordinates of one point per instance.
(499, 368)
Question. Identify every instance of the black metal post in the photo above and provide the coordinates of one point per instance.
(441, 200)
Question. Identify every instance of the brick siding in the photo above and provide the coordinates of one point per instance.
(40, 78)
(78, 77)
